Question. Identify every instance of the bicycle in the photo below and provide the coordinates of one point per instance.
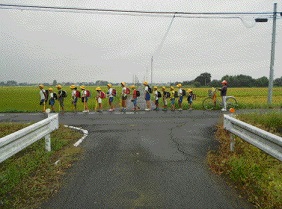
(211, 102)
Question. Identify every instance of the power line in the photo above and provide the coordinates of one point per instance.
(128, 12)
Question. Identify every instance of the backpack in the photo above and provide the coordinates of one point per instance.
(194, 96)
(102, 95)
(46, 94)
(137, 93)
(55, 96)
(176, 94)
(87, 93)
(149, 89)
(127, 90)
(159, 94)
(167, 94)
(183, 92)
(77, 94)
(114, 92)
(63, 93)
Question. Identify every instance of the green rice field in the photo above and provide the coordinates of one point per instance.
(26, 99)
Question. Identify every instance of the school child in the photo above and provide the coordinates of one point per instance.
(223, 92)
(99, 99)
(180, 96)
(165, 96)
(147, 96)
(190, 98)
(172, 98)
(134, 98)
(75, 94)
(53, 97)
(156, 95)
(43, 96)
(84, 98)
(124, 92)
(61, 96)
(111, 97)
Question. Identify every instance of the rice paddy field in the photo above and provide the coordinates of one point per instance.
(26, 99)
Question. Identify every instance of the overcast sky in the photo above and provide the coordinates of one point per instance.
(42, 46)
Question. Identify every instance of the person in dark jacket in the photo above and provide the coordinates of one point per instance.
(223, 92)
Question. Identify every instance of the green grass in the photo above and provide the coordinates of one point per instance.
(30, 176)
(255, 173)
(26, 99)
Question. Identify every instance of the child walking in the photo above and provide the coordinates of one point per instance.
(123, 96)
(61, 97)
(111, 97)
(43, 96)
(53, 97)
(99, 99)
(84, 98)
(74, 97)
(180, 96)
(134, 98)
(172, 98)
(190, 98)
(165, 96)
(156, 95)
(147, 96)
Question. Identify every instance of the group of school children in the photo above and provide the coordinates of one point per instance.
(49, 96)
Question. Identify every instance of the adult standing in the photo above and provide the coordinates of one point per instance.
(147, 96)
(223, 92)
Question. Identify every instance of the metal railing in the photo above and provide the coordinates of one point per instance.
(17, 141)
(268, 142)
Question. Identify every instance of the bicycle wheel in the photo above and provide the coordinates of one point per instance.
(208, 104)
(231, 102)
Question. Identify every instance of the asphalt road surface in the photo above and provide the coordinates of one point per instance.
(143, 160)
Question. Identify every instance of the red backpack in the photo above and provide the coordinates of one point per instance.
(127, 90)
(87, 93)
(114, 92)
(103, 95)
(77, 94)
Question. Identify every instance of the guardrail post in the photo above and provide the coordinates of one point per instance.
(48, 142)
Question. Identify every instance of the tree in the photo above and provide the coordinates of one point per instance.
(55, 82)
(261, 82)
(278, 81)
(204, 79)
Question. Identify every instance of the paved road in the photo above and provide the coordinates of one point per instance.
(143, 160)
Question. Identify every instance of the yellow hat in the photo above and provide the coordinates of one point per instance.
(155, 87)
(163, 88)
(122, 83)
(82, 87)
(109, 85)
(179, 85)
(189, 90)
(132, 87)
(145, 83)
(171, 88)
(98, 89)
(59, 86)
(50, 89)
(72, 86)
(41, 85)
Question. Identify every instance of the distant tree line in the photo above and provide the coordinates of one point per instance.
(234, 81)
(202, 80)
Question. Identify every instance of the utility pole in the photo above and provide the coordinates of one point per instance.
(271, 72)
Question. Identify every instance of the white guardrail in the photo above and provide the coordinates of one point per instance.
(269, 143)
(17, 141)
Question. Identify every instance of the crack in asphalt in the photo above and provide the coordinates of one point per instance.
(178, 145)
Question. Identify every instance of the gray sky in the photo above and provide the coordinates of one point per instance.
(40, 46)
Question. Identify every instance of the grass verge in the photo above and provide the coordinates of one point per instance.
(31, 176)
(256, 174)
